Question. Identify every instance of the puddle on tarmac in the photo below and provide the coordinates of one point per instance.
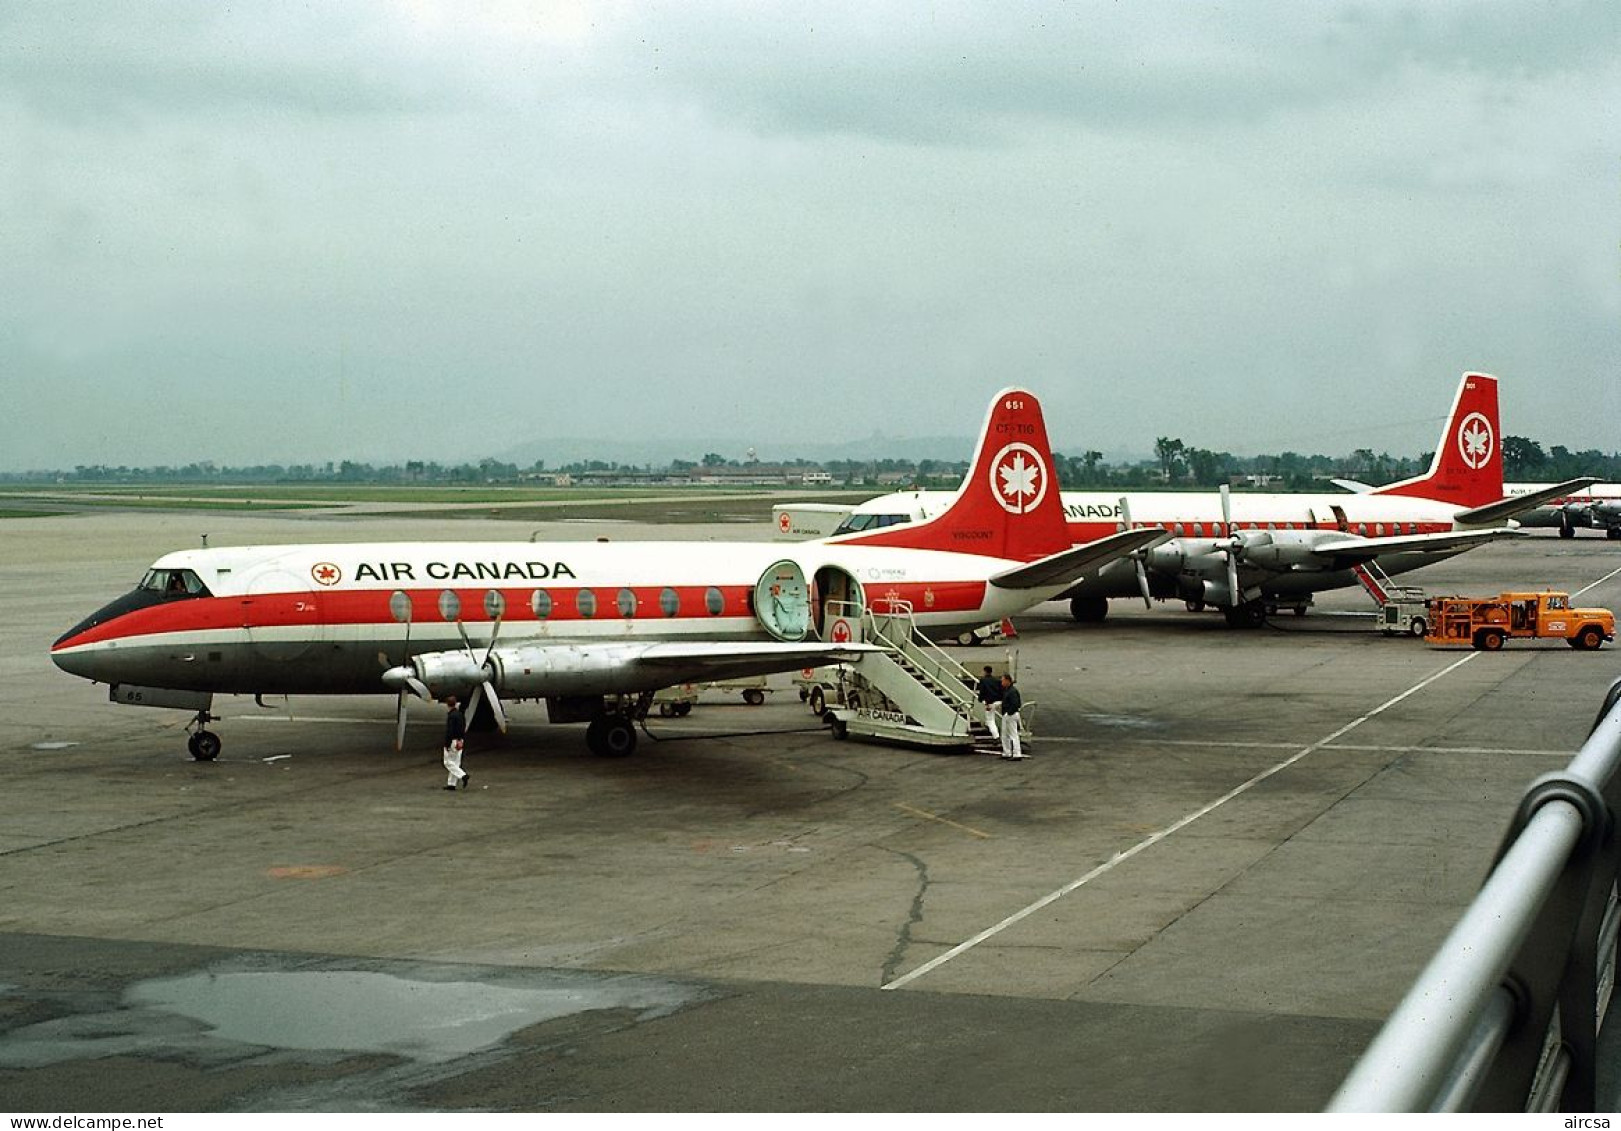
(222, 1015)
(1123, 722)
(366, 1011)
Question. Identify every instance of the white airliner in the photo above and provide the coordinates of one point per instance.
(1250, 553)
(1597, 506)
(593, 628)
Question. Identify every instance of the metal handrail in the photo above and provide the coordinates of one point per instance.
(1511, 1005)
(938, 669)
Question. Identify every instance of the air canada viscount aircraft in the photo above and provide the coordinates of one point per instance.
(1250, 553)
(593, 628)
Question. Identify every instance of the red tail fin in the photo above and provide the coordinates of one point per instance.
(1008, 506)
(1468, 466)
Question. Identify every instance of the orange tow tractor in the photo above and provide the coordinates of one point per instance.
(1486, 622)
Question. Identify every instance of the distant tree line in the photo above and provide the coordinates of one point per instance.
(1175, 464)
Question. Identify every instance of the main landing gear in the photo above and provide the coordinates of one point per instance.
(1089, 610)
(612, 734)
(1250, 614)
(204, 744)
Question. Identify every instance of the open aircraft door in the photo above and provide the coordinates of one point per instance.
(839, 604)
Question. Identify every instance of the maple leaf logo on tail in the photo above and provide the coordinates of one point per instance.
(1475, 440)
(1467, 469)
(1019, 478)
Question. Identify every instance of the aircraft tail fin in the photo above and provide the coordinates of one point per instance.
(1467, 469)
(1008, 505)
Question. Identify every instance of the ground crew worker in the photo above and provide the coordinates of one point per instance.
(990, 694)
(1011, 702)
(455, 739)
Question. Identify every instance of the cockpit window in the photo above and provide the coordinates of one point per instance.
(173, 583)
(858, 522)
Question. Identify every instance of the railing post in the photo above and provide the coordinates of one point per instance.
(1548, 982)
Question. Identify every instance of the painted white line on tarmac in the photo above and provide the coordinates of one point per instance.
(1148, 842)
(1597, 583)
(1354, 747)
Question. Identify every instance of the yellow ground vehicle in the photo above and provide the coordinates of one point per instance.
(1485, 622)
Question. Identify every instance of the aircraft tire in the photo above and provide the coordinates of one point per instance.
(615, 736)
(1251, 614)
(204, 745)
(1613, 533)
(1089, 610)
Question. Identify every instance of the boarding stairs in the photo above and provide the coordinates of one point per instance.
(911, 691)
(1378, 585)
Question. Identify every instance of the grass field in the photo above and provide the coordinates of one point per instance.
(657, 504)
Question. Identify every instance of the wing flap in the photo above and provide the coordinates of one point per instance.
(704, 660)
(1363, 549)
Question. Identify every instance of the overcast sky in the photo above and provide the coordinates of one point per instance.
(390, 229)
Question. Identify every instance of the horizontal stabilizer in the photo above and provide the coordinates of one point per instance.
(1507, 508)
(1071, 565)
(1354, 548)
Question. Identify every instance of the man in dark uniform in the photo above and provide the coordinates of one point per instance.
(1011, 702)
(455, 738)
(990, 694)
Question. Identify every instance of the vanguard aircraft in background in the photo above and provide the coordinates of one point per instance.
(593, 628)
(1597, 506)
(1251, 553)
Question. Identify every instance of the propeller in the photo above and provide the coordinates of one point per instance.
(1136, 556)
(405, 678)
(486, 687)
(1234, 546)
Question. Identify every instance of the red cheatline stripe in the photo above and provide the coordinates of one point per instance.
(348, 607)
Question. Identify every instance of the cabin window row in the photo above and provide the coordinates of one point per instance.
(627, 603)
(1197, 529)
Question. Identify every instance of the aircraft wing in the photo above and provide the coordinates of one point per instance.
(1363, 549)
(1507, 508)
(1072, 564)
(679, 662)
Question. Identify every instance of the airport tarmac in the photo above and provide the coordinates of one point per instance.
(1227, 860)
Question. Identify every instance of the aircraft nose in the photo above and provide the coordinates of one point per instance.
(81, 661)
(78, 652)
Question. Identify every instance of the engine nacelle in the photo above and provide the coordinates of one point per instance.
(1180, 554)
(542, 670)
(1280, 555)
(448, 671)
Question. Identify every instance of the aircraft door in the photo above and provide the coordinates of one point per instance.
(840, 602)
(782, 601)
(281, 613)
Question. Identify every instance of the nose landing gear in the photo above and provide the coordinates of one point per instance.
(204, 744)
